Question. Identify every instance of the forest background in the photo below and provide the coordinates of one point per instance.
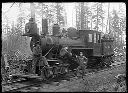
(108, 18)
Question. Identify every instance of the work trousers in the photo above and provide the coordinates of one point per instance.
(34, 63)
(39, 61)
(82, 69)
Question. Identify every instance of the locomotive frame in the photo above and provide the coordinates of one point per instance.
(99, 51)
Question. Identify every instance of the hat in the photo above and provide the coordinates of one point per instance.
(81, 52)
(66, 47)
(31, 19)
(37, 42)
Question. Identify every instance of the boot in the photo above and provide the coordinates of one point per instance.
(42, 74)
(33, 70)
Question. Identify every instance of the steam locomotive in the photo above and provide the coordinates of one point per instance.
(98, 50)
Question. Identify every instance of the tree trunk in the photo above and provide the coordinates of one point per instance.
(86, 17)
(102, 21)
(91, 19)
(108, 22)
(91, 23)
(57, 13)
(32, 10)
(82, 15)
(97, 17)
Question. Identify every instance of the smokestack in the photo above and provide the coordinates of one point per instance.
(56, 29)
(44, 26)
(32, 10)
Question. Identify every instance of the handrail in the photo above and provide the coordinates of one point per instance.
(48, 52)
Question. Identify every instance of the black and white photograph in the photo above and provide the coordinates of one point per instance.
(63, 47)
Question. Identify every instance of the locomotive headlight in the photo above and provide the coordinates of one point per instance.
(66, 70)
(57, 63)
(33, 45)
(27, 30)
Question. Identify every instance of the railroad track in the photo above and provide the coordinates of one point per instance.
(105, 69)
(18, 85)
(14, 81)
(94, 71)
(23, 84)
(72, 84)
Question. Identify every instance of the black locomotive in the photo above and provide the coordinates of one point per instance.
(98, 50)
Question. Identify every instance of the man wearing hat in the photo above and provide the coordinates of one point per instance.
(38, 59)
(36, 56)
(31, 27)
(82, 60)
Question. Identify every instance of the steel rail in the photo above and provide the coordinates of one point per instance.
(12, 82)
(89, 74)
(38, 83)
(14, 89)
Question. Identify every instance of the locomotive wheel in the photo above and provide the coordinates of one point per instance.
(45, 73)
(55, 71)
(64, 70)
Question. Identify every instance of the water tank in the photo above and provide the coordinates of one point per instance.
(72, 32)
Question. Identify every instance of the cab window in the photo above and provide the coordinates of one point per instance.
(98, 38)
(89, 37)
(94, 37)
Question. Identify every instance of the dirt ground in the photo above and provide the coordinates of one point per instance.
(104, 81)
(100, 82)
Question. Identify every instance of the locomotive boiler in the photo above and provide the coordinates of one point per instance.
(98, 50)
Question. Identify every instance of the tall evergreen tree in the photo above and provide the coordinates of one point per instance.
(87, 15)
(78, 25)
(59, 11)
(82, 17)
(83, 14)
(115, 27)
(115, 23)
(98, 16)
(108, 20)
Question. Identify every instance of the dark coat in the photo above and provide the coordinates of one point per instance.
(37, 50)
(63, 51)
(31, 27)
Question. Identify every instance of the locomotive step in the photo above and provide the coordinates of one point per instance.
(32, 76)
(52, 60)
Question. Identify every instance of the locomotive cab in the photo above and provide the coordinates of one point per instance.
(87, 41)
(91, 43)
(96, 49)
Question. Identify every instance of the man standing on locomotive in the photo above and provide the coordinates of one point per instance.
(31, 27)
(63, 51)
(82, 63)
